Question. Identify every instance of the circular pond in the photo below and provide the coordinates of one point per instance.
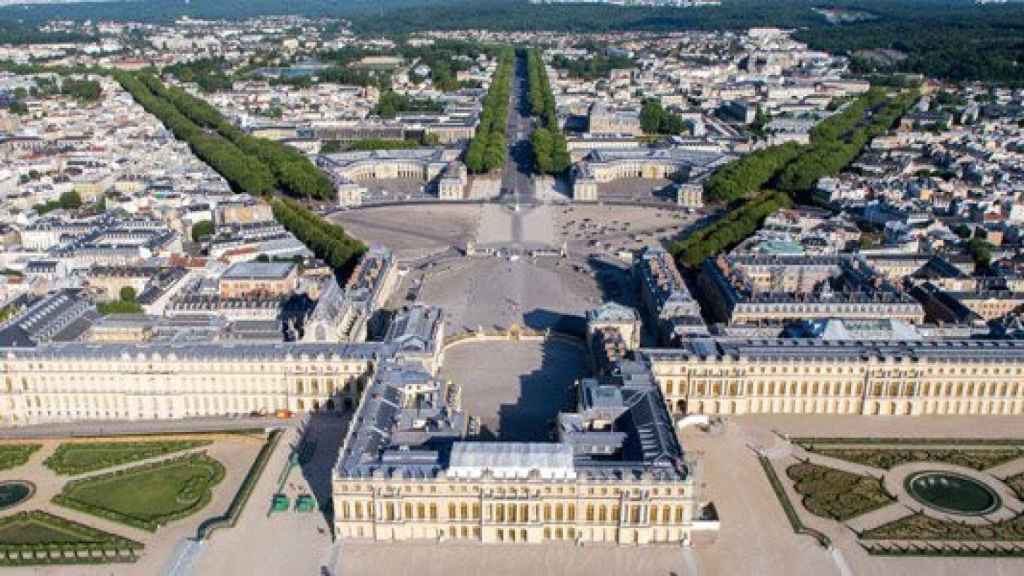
(952, 493)
(15, 491)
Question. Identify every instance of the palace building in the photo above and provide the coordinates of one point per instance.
(806, 376)
(439, 168)
(606, 165)
(615, 474)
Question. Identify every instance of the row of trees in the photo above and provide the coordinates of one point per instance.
(732, 229)
(792, 169)
(836, 142)
(487, 149)
(327, 241)
(748, 174)
(291, 170)
(795, 169)
(243, 173)
(550, 151)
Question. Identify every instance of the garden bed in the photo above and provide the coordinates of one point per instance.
(837, 494)
(147, 496)
(73, 458)
(36, 537)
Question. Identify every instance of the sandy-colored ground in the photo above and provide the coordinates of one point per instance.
(523, 388)
(414, 230)
(482, 187)
(493, 292)
(495, 225)
(617, 227)
(755, 537)
(235, 452)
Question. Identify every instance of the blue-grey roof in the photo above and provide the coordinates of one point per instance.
(258, 270)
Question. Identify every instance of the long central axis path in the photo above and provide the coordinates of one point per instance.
(516, 180)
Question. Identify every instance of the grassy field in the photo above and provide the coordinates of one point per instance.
(14, 455)
(72, 458)
(147, 496)
(37, 537)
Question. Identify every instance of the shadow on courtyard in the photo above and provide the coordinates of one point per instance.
(317, 452)
(541, 319)
(543, 393)
(613, 281)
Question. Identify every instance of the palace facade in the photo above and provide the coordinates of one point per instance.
(616, 472)
(806, 376)
(73, 381)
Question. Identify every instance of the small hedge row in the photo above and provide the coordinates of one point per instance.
(794, 519)
(944, 550)
(110, 454)
(149, 524)
(802, 441)
(86, 545)
(14, 455)
(230, 518)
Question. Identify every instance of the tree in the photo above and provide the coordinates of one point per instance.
(70, 200)
(127, 294)
(981, 251)
(330, 147)
(650, 117)
(202, 229)
(962, 230)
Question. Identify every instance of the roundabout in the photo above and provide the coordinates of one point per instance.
(952, 493)
(14, 492)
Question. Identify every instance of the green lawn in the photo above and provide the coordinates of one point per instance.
(35, 531)
(14, 455)
(25, 535)
(72, 458)
(147, 496)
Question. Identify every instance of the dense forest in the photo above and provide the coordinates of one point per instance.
(953, 39)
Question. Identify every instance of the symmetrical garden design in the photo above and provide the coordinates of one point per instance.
(37, 537)
(952, 493)
(73, 458)
(923, 527)
(147, 496)
(888, 458)
(837, 494)
(954, 512)
(14, 455)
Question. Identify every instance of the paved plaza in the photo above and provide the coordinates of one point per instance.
(495, 293)
(516, 389)
(413, 230)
